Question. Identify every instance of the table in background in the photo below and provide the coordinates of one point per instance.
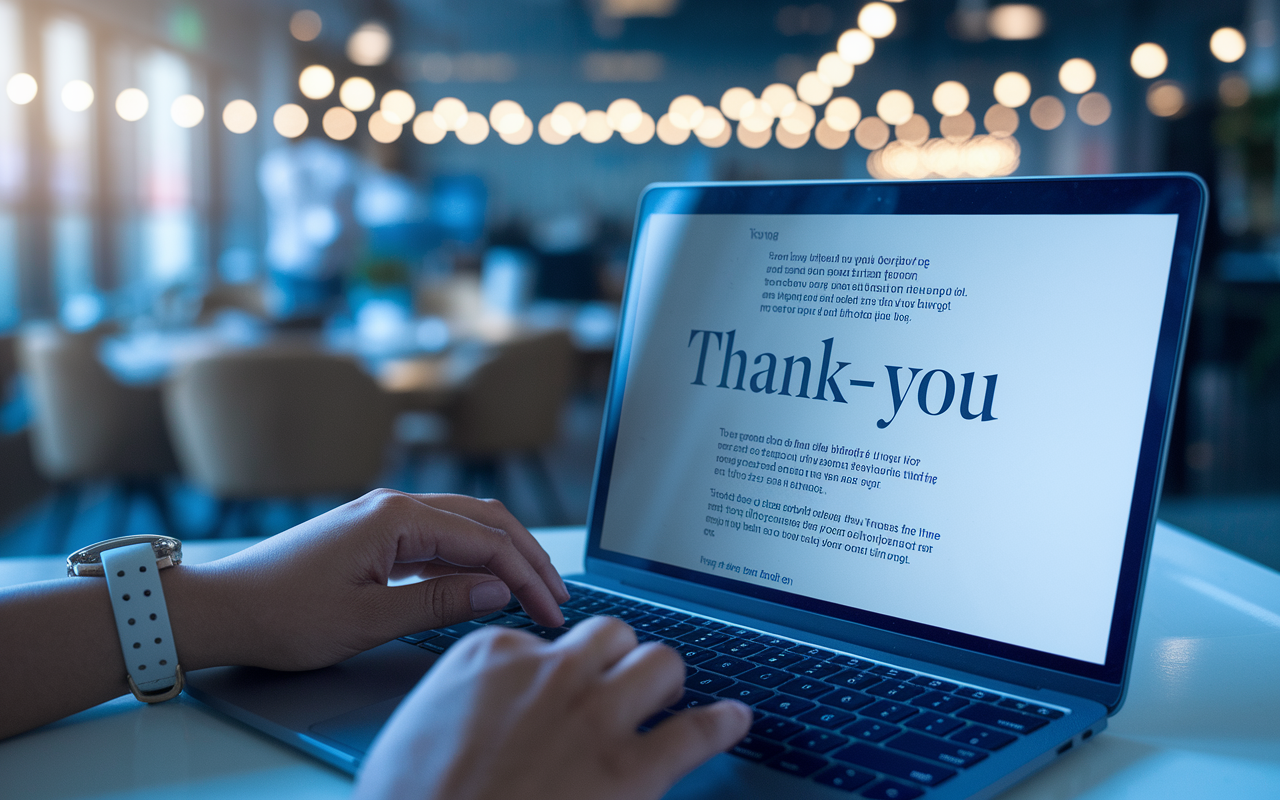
(1202, 718)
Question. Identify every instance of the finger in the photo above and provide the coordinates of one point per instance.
(443, 601)
(680, 744)
(432, 569)
(426, 533)
(645, 680)
(597, 644)
(495, 515)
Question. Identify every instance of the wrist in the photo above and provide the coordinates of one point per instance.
(205, 630)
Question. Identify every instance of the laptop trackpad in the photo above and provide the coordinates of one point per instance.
(357, 729)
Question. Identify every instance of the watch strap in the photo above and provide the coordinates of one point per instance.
(142, 620)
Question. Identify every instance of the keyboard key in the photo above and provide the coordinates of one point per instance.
(892, 673)
(892, 790)
(805, 687)
(937, 749)
(826, 717)
(691, 699)
(846, 779)
(741, 633)
(712, 625)
(812, 652)
(1002, 718)
(460, 630)
(707, 682)
(694, 655)
(786, 705)
(889, 711)
(942, 703)
(870, 730)
(704, 638)
(512, 622)
(970, 693)
(817, 741)
(895, 691)
(766, 676)
(739, 648)
(753, 748)
(797, 762)
(773, 657)
(550, 634)
(775, 641)
(677, 630)
(746, 693)
(1030, 708)
(987, 739)
(414, 638)
(650, 623)
(725, 665)
(811, 668)
(845, 699)
(937, 724)
(851, 662)
(853, 679)
(776, 728)
(936, 684)
(891, 763)
(439, 644)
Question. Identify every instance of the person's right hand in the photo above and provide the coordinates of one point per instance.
(506, 715)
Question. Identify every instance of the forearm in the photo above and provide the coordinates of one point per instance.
(62, 651)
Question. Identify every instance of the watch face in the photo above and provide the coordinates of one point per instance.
(87, 561)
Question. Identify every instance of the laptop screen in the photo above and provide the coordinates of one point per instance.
(932, 418)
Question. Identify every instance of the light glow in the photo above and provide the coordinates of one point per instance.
(1227, 45)
(596, 128)
(187, 111)
(1077, 76)
(812, 89)
(625, 115)
(239, 116)
(1012, 89)
(877, 20)
(950, 98)
(895, 107)
(508, 119)
(426, 130)
(339, 123)
(1149, 60)
(316, 82)
(77, 95)
(22, 88)
(290, 120)
(356, 94)
(842, 115)
(734, 100)
(834, 70)
(474, 130)
(369, 45)
(382, 129)
(132, 105)
(855, 46)
(450, 113)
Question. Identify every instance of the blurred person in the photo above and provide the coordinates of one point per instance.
(501, 714)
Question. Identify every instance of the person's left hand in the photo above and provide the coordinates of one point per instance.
(317, 593)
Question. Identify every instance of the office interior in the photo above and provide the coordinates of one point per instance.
(402, 227)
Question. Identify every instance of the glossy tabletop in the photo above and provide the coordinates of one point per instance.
(1202, 718)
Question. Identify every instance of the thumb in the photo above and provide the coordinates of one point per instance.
(683, 742)
(446, 600)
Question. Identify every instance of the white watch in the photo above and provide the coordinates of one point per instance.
(131, 565)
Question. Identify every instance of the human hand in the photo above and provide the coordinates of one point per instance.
(317, 593)
(505, 715)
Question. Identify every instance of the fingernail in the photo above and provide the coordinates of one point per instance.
(489, 596)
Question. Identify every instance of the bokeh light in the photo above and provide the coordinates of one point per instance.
(77, 95)
(305, 25)
(950, 98)
(450, 113)
(759, 119)
(957, 128)
(872, 133)
(779, 97)
(397, 106)
(753, 140)
(568, 118)
(290, 120)
(22, 88)
(642, 132)
(426, 130)
(521, 135)
(132, 105)
(508, 119)
(1166, 99)
(685, 113)
(801, 119)
(316, 82)
(1077, 75)
(733, 101)
(1000, 120)
(877, 20)
(595, 128)
(1094, 108)
(1047, 113)
(671, 133)
(187, 111)
(834, 70)
(842, 115)
(828, 137)
(239, 116)
(913, 131)
(1149, 60)
(382, 129)
(1227, 45)
(624, 115)
(812, 89)
(1015, 22)
(369, 45)
(474, 130)
(1233, 90)
(789, 140)
(855, 46)
(549, 135)
(895, 107)
(726, 133)
(1012, 89)
(713, 124)
(356, 93)
(339, 123)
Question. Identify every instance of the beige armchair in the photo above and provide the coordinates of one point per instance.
(87, 426)
(276, 423)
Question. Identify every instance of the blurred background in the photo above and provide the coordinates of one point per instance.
(257, 257)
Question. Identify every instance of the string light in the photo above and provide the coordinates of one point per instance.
(1047, 113)
(685, 113)
(726, 133)
(813, 89)
(356, 94)
(339, 123)
(671, 133)
(855, 46)
(1149, 60)
(713, 124)
(828, 137)
(758, 119)
(522, 135)
(595, 128)
(913, 131)
(1000, 121)
(132, 105)
(1094, 108)
(568, 118)
(22, 88)
(754, 140)
(895, 107)
(239, 116)
(734, 100)
(950, 98)
(1233, 90)
(642, 132)
(801, 119)
(450, 113)
(508, 119)
(187, 111)
(290, 120)
(842, 115)
(790, 140)
(426, 130)
(624, 115)
(548, 133)
(877, 20)
(382, 129)
(872, 133)
(834, 70)
(958, 128)
(474, 130)
(1012, 89)
(1227, 45)
(397, 107)
(1077, 75)
(316, 82)
(779, 97)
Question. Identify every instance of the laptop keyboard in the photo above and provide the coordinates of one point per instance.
(850, 723)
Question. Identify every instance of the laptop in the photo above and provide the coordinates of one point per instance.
(881, 460)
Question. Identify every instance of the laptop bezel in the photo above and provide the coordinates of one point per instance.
(1177, 193)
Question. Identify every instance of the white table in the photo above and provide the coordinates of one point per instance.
(1202, 718)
